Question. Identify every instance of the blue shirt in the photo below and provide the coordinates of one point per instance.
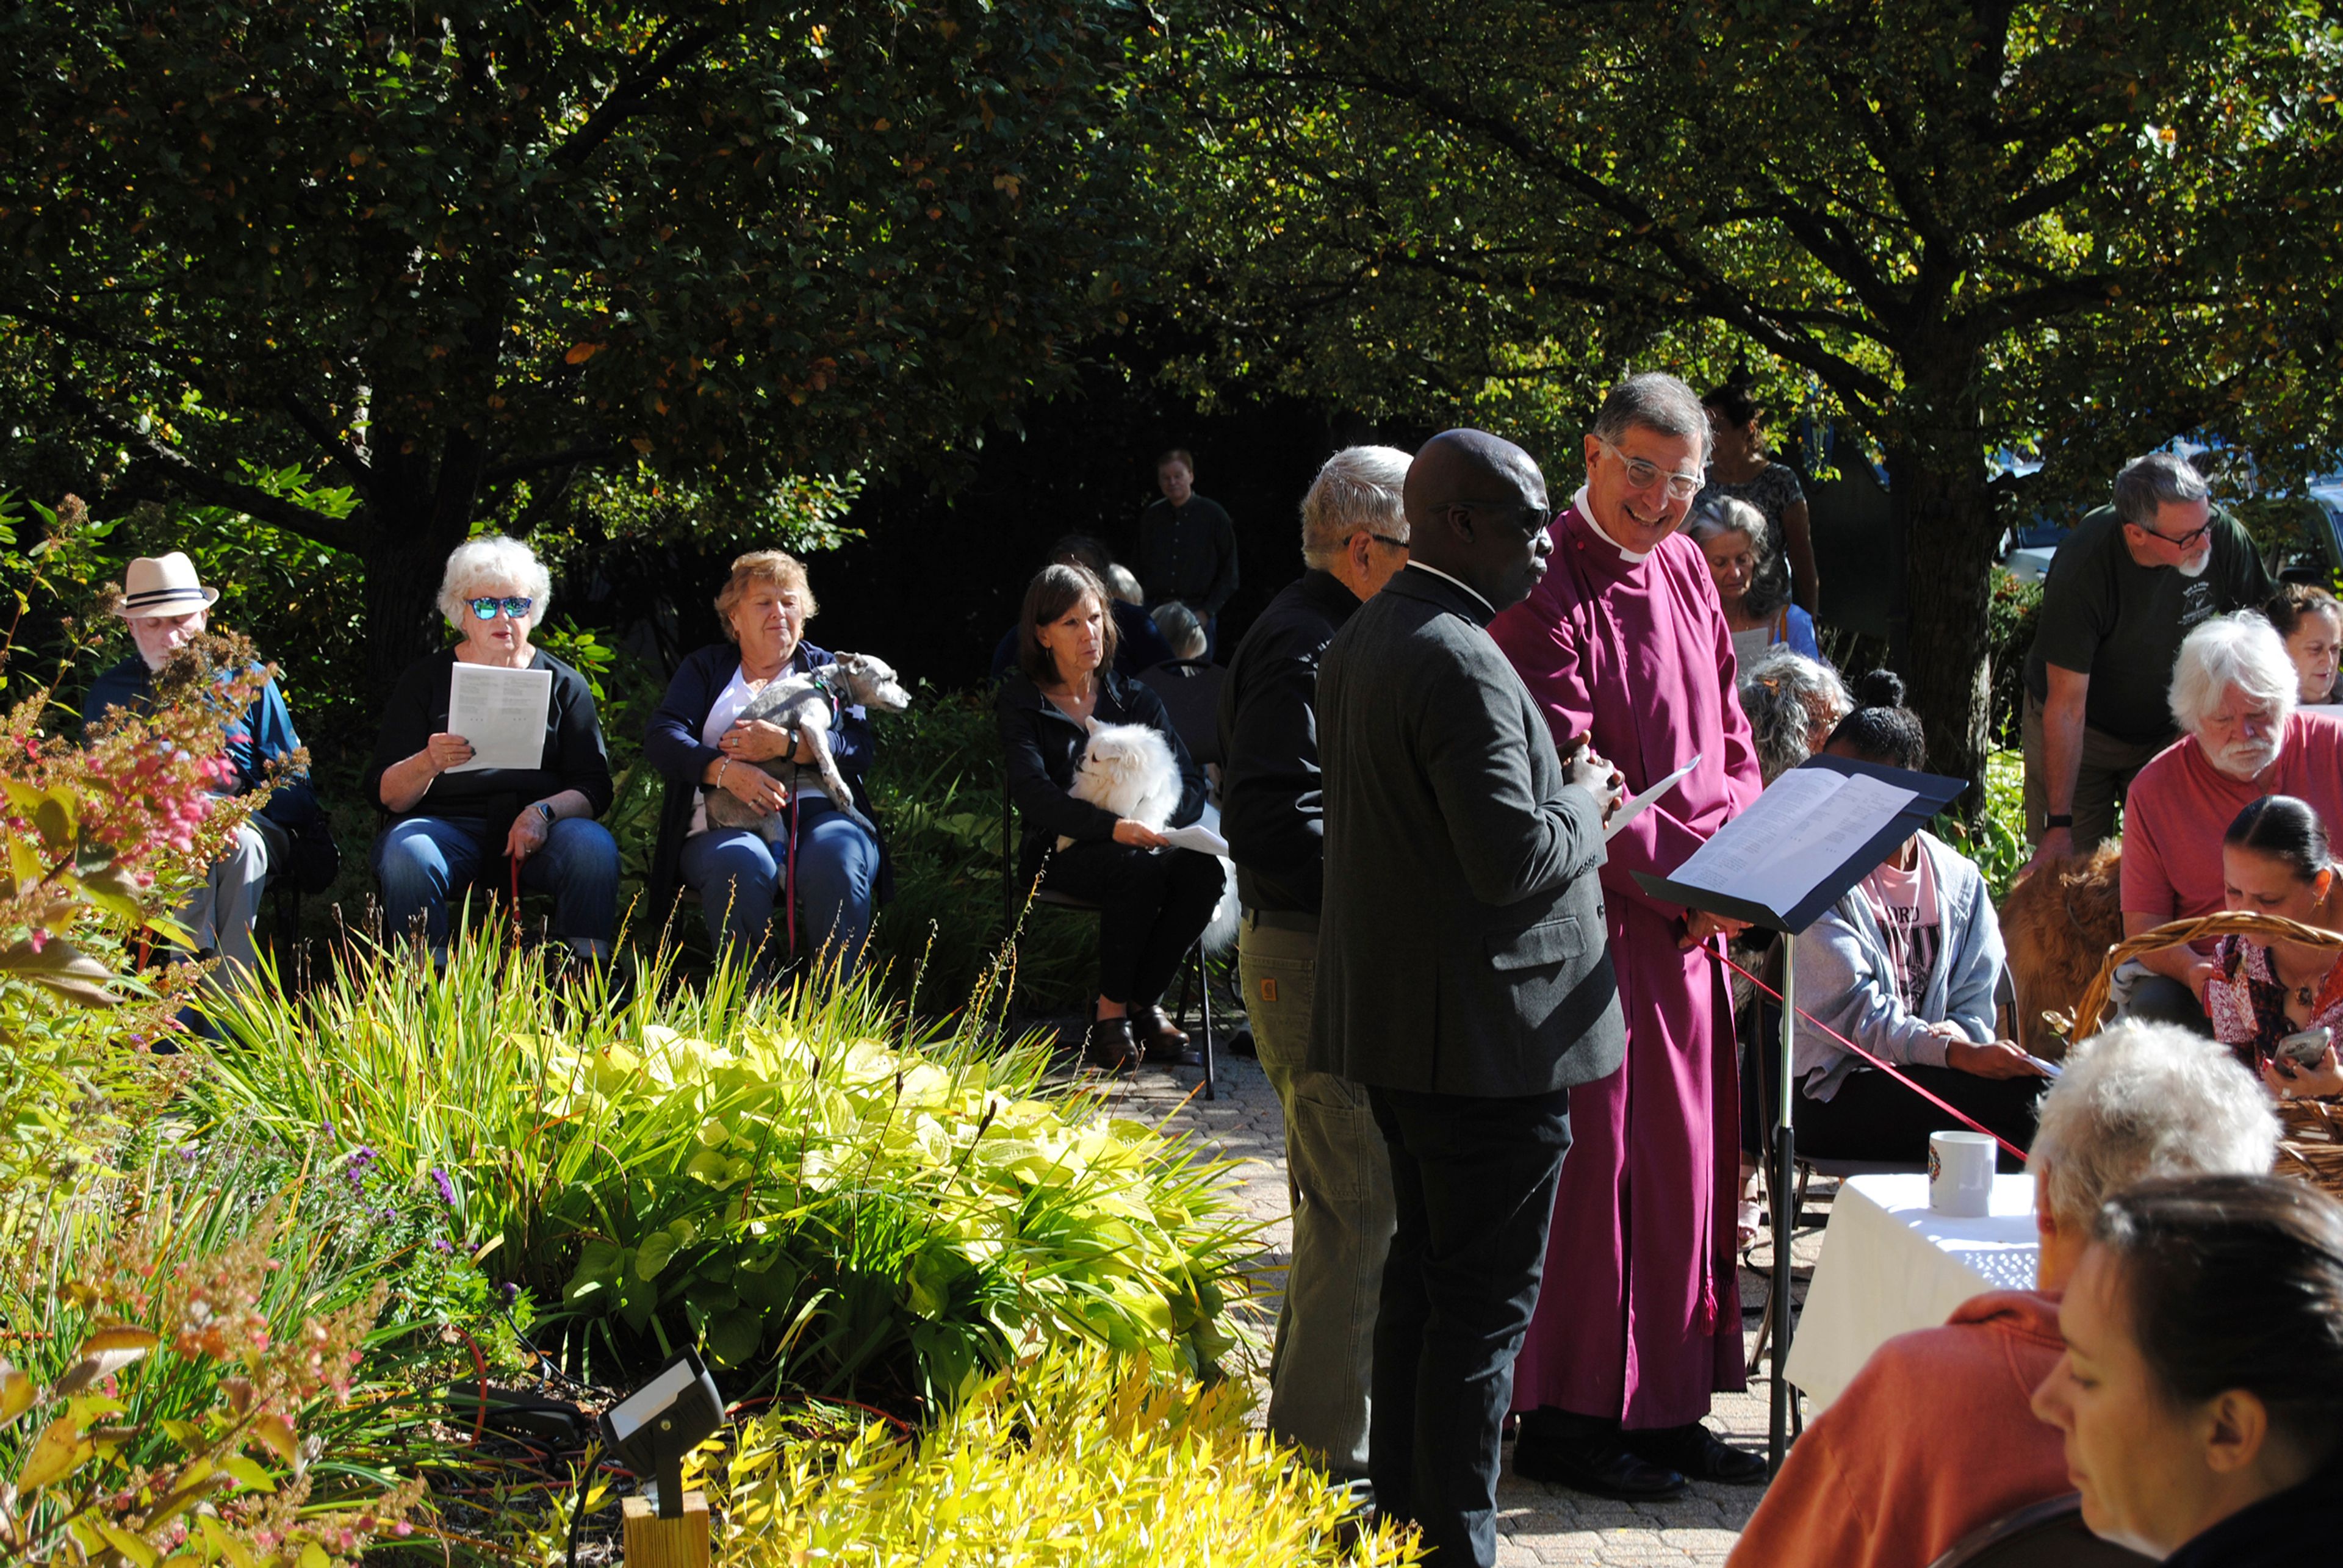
(261, 734)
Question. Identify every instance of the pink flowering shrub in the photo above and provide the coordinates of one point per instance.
(93, 1483)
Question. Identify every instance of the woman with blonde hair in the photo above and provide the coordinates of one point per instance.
(834, 867)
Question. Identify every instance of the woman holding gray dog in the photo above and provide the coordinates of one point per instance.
(697, 741)
(1154, 900)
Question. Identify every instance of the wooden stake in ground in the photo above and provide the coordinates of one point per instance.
(655, 1543)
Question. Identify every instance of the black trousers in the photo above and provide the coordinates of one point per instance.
(1472, 1182)
(1154, 904)
(1873, 1117)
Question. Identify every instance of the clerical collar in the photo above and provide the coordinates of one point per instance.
(1468, 587)
(1632, 558)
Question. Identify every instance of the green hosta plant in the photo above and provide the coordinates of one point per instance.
(769, 1176)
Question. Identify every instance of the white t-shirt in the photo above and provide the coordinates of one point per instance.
(737, 695)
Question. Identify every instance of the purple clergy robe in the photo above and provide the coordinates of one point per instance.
(1639, 1318)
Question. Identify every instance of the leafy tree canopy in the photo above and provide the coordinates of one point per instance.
(2070, 229)
(455, 256)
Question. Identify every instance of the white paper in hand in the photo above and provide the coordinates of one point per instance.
(1197, 836)
(501, 713)
(1636, 806)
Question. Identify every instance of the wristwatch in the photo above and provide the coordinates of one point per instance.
(550, 818)
(2058, 820)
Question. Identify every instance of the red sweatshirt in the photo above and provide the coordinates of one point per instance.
(1932, 1439)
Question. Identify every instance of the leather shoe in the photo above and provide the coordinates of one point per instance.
(1602, 1466)
(1109, 1045)
(1699, 1454)
(1152, 1030)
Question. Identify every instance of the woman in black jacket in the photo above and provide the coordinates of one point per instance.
(1155, 900)
(451, 826)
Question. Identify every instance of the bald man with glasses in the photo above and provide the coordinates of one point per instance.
(2125, 587)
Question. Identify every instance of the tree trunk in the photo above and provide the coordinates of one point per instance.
(1938, 490)
(403, 563)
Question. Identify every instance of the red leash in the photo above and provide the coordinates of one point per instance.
(1955, 1111)
(790, 874)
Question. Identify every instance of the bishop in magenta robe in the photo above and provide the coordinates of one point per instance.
(1639, 1322)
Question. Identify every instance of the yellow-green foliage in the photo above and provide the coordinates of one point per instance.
(1079, 1458)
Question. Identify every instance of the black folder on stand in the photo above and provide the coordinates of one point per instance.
(1855, 859)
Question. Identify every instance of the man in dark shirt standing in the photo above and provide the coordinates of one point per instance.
(2124, 588)
(1187, 546)
(1338, 1179)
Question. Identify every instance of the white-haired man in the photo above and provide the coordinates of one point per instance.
(1338, 1179)
(1869, 1486)
(2126, 584)
(2233, 696)
(166, 606)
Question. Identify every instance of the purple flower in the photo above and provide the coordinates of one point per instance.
(441, 1244)
(511, 1291)
(446, 1188)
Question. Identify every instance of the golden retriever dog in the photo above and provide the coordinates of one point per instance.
(2058, 922)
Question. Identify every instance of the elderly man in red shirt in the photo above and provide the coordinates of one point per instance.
(2233, 696)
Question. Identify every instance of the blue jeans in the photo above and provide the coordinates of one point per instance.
(422, 861)
(738, 876)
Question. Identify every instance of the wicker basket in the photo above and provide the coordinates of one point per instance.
(2310, 1142)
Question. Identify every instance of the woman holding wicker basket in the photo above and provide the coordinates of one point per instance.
(2272, 1000)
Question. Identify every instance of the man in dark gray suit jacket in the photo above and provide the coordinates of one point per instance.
(1463, 972)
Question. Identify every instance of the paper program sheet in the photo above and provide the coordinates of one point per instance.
(1805, 825)
(501, 713)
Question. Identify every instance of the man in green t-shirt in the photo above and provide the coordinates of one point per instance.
(2124, 588)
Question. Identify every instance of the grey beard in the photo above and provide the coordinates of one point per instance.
(2245, 759)
(2203, 562)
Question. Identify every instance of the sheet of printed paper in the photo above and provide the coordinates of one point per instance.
(1803, 827)
(501, 713)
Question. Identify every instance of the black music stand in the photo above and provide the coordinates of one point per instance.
(1931, 793)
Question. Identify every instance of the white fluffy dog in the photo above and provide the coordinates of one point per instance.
(1127, 768)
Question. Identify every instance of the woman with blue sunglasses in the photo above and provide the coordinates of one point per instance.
(450, 831)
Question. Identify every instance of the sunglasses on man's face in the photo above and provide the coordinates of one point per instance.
(514, 608)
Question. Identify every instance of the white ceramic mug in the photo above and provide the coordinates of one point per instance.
(1960, 1174)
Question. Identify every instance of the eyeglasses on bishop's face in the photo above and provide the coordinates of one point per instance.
(514, 608)
(1642, 475)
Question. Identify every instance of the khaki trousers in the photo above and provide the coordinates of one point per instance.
(2106, 772)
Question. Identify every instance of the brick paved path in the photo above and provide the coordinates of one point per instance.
(1541, 1524)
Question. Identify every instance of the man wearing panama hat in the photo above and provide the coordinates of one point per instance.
(166, 606)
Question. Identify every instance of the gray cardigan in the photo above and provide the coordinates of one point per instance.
(1845, 979)
(1462, 950)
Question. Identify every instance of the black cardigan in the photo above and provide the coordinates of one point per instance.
(573, 757)
(1042, 747)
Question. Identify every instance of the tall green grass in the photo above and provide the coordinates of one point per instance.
(802, 1181)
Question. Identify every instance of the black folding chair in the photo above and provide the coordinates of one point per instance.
(1045, 896)
(2045, 1534)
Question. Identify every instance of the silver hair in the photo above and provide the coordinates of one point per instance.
(494, 561)
(1357, 488)
(1784, 694)
(1731, 514)
(1656, 401)
(1122, 585)
(2241, 650)
(2141, 1100)
(2147, 483)
(1181, 628)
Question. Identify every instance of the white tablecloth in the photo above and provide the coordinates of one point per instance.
(1891, 1264)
